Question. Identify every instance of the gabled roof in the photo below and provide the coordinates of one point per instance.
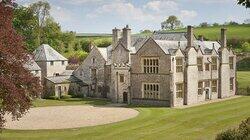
(103, 52)
(31, 64)
(47, 53)
(171, 36)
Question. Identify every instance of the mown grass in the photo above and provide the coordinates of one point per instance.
(201, 122)
(243, 78)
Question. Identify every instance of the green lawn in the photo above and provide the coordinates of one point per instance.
(69, 101)
(213, 33)
(201, 122)
(243, 78)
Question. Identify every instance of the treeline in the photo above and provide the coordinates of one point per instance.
(37, 27)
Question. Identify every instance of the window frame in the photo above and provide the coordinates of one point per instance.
(231, 62)
(121, 78)
(231, 83)
(200, 87)
(214, 64)
(214, 85)
(179, 90)
(150, 65)
(200, 65)
(151, 91)
(179, 67)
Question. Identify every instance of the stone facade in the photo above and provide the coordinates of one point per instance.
(55, 79)
(166, 69)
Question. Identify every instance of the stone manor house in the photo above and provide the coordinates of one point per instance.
(163, 69)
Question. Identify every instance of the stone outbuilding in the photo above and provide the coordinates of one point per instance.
(65, 84)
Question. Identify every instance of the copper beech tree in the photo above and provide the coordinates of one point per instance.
(17, 85)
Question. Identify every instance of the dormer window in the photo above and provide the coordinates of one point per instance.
(62, 62)
(51, 63)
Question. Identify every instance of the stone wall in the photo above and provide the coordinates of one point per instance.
(93, 61)
(138, 77)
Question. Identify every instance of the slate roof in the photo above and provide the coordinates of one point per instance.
(103, 52)
(47, 53)
(169, 47)
(63, 79)
(170, 36)
(168, 41)
(32, 65)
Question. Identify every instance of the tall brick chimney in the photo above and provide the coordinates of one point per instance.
(223, 40)
(116, 33)
(126, 36)
(190, 39)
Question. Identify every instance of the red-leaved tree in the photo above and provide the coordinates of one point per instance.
(17, 85)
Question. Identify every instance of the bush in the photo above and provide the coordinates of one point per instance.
(241, 133)
(246, 47)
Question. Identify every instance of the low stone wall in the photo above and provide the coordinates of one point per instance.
(148, 102)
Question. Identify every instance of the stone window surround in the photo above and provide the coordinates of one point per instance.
(121, 78)
(200, 87)
(214, 63)
(179, 90)
(179, 64)
(231, 83)
(214, 86)
(150, 65)
(200, 63)
(231, 62)
(155, 92)
(207, 67)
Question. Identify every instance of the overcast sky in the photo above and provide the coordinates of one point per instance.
(100, 16)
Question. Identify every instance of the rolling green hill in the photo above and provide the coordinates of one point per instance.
(213, 33)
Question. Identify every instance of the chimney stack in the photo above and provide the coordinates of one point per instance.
(116, 36)
(126, 35)
(190, 40)
(223, 37)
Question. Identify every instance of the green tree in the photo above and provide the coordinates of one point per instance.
(146, 31)
(204, 24)
(41, 11)
(171, 23)
(24, 23)
(52, 34)
(245, 3)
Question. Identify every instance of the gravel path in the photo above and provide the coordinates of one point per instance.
(61, 117)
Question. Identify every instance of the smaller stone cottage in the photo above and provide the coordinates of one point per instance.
(56, 80)
(64, 84)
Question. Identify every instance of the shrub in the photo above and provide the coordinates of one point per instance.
(246, 47)
(241, 133)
